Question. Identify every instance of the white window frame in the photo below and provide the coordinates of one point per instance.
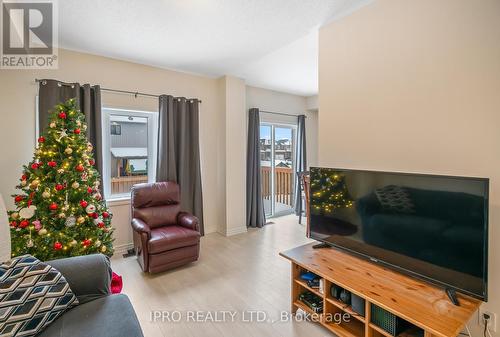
(152, 117)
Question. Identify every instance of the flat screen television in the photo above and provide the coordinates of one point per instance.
(428, 226)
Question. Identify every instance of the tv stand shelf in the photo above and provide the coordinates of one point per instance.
(422, 304)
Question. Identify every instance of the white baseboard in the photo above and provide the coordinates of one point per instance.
(122, 249)
(234, 231)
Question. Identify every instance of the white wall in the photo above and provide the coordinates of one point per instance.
(414, 86)
(275, 101)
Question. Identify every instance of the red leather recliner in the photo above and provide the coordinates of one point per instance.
(164, 237)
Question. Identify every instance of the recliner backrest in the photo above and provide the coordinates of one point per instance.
(157, 204)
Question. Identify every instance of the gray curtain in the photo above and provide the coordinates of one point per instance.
(88, 99)
(179, 151)
(300, 161)
(255, 204)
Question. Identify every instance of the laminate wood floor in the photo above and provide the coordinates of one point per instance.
(234, 274)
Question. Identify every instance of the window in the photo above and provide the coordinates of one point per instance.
(129, 150)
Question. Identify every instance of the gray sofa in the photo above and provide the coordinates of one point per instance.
(99, 314)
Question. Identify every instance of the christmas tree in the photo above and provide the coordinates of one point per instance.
(60, 212)
(330, 192)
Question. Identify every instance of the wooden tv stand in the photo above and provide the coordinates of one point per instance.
(419, 303)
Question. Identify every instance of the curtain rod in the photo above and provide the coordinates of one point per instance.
(135, 93)
(280, 113)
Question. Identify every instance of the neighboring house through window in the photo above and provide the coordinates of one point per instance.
(130, 150)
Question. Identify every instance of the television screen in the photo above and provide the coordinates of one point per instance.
(428, 226)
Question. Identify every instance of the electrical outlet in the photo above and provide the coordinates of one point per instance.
(492, 325)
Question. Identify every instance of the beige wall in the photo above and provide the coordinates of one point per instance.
(414, 86)
(17, 108)
(291, 104)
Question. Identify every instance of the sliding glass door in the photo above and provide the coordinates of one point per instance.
(277, 153)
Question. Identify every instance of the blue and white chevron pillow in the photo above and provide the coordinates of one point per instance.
(32, 295)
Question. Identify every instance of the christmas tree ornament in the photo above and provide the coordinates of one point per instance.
(75, 185)
(27, 212)
(52, 125)
(77, 131)
(62, 115)
(30, 243)
(84, 127)
(80, 219)
(60, 171)
(97, 196)
(34, 166)
(37, 224)
(94, 215)
(34, 184)
(24, 182)
(84, 176)
(91, 162)
(86, 242)
(79, 167)
(98, 243)
(83, 203)
(103, 249)
(101, 225)
(18, 198)
(105, 215)
(90, 209)
(68, 150)
(61, 215)
(78, 123)
(13, 223)
(24, 223)
(46, 194)
(73, 243)
(41, 139)
(89, 190)
(59, 187)
(62, 134)
(52, 163)
(14, 215)
(57, 245)
(42, 231)
(70, 221)
(53, 206)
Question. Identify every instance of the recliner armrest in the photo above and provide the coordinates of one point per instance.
(140, 226)
(187, 220)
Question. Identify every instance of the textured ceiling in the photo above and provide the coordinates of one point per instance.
(269, 43)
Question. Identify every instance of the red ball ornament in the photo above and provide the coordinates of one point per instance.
(57, 245)
(18, 198)
(77, 131)
(92, 162)
(24, 177)
(101, 225)
(79, 168)
(13, 223)
(59, 187)
(62, 115)
(52, 163)
(86, 242)
(24, 224)
(53, 206)
(94, 215)
(83, 203)
(89, 190)
(34, 166)
(105, 215)
(41, 139)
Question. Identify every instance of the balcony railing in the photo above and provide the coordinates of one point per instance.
(124, 184)
(283, 184)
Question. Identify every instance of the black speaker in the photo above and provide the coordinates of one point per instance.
(358, 304)
(345, 297)
(335, 291)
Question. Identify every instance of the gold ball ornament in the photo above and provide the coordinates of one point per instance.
(46, 194)
(42, 231)
(62, 215)
(35, 183)
(73, 243)
(103, 249)
(52, 125)
(75, 185)
(98, 243)
(68, 150)
(14, 215)
(60, 171)
(80, 220)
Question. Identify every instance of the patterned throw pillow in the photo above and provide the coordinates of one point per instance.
(395, 199)
(32, 295)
